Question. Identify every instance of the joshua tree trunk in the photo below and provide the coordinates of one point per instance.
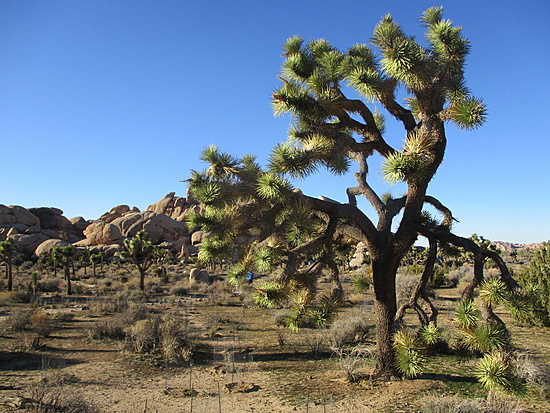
(9, 274)
(142, 279)
(384, 272)
(67, 270)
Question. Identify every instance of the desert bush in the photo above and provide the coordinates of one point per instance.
(42, 324)
(179, 289)
(143, 335)
(439, 278)
(218, 292)
(349, 330)
(175, 339)
(453, 404)
(19, 319)
(450, 404)
(49, 285)
(535, 374)
(352, 359)
(135, 311)
(111, 328)
(17, 296)
(405, 285)
(460, 274)
(167, 334)
(53, 399)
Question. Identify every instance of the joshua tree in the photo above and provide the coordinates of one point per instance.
(64, 256)
(333, 131)
(7, 255)
(141, 252)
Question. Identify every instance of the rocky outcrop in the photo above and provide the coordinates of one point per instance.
(163, 220)
(361, 253)
(159, 226)
(79, 225)
(101, 233)
(29, 228)
(173, 206)
(43, 250)
(510, 246)
(54, 224)
(117, 212)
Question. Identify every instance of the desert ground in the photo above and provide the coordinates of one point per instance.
(241, 360)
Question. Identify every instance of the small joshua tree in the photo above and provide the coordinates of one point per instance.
(7, 255)
(65, 257)
(141, 252)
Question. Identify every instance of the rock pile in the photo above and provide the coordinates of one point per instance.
(163, 220)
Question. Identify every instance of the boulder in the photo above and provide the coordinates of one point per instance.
(52, 219)
(117, 212)
(172, 206)
(79, 225)
(196, 275)
(198, 236)
(159, 226)
(15, 214)
(45, 247)
(29, 242)
(361, 253)
(101, 233)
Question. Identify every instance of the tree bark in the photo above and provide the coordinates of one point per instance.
(384, 271)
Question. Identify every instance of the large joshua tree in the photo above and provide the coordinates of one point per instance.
(334, 131)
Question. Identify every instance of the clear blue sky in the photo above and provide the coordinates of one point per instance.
(110, 102)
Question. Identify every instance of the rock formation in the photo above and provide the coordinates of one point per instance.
(175, 207)
(29, 228)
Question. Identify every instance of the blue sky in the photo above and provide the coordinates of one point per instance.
(111, 102)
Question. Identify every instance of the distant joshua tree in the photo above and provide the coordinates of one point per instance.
(64, 256)
(140, 252)
(8, 252)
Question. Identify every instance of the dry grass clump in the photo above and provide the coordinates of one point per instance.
(535, 374)
(34, 320)
(453, 404)
(44, 398)
(349, 329)
(49, 285)
(352, 360)
(164, 334)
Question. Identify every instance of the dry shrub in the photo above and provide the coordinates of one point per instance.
(349, 329)
(405, 285)
(126, 312)
(143, 335)
(464, 273)
(218, 292)
(179, 289)
(176, 339)
(108, 329)
(450, 404)
(52, 399)
(18, 296)
(534, 373)
(19, 320)
(352, 359)
(167, 334)
(49, 285)
(495, 403)
(42, 324)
